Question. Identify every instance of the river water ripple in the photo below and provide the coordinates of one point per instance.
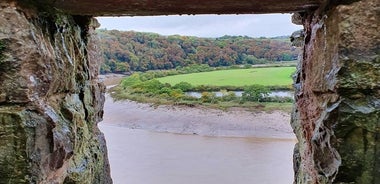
(143, 157)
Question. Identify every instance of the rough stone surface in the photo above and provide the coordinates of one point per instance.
(50, 99)
(337, 114)
(170, 7)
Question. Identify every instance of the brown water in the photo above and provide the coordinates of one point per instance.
(143, 157)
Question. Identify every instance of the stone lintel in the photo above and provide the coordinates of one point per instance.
(174, 7)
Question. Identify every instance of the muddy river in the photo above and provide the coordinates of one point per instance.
(143, 157)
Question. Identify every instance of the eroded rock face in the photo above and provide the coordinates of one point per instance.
(337, 115)
(50, 99)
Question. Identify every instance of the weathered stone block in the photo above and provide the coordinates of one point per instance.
(50, 99)
(337, 119)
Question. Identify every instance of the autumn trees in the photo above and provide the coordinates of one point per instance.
(125, 51)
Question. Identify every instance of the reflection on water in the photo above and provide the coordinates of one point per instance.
(142, 157)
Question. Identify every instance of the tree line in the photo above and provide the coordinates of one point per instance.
(126, 51)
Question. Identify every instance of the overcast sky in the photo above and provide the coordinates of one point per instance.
(267, 25)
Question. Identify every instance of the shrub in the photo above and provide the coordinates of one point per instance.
(184, 86)
(132, 80)
(208, 97)
(278, 99)
(228, 95)
(255, 93)
(176, 94)
(151, 86)
(164, 95)
(195, 68)
(247, 66)
(165, 90)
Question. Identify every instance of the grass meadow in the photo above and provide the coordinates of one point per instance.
(274, 76)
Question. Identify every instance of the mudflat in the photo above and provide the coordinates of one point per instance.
(197, 120)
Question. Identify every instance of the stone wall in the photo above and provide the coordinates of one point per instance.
(337, 114)
(50, 99)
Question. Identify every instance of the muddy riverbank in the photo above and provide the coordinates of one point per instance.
(197, 120)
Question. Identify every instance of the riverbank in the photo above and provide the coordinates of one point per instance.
(197, 120)
(111, 79)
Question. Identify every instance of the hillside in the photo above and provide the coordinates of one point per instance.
(125, 51)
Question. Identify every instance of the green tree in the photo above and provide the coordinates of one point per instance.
(121, 67)
(104, 68)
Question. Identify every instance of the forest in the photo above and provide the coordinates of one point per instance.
(127, 51)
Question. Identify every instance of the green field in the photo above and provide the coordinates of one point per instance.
(275, 76)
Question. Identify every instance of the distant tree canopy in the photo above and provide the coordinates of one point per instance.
(126, 51)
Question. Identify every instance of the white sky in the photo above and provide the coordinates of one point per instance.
(267, 25)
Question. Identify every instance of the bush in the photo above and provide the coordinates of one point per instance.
(165, 90)
(247, 66)
(208, 97)
(195, 68)
(164, 95)
(255, 93)
(228, 95)
(184, 86)
(151, 86)
(132, 80)
(278, 99)
(176, 94)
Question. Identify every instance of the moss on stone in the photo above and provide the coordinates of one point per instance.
(13, 159)
(2, 50)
